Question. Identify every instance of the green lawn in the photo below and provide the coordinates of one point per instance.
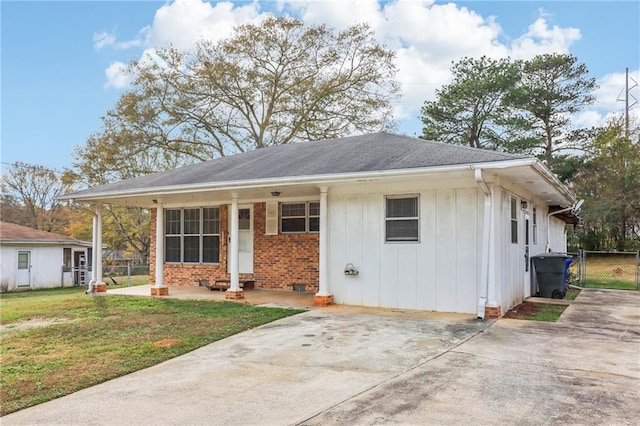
(616, 272)
(549, 313)
(55, 342)
(124, 281)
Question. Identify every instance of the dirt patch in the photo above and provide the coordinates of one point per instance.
(166, 343)
(31, 323)
(523, 310)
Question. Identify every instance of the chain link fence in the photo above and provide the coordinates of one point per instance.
(115, 276)
(600, 269)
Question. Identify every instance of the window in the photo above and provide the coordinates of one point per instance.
(66, 259)
(401, 219)
(514, 220)
(534, 231)
(192, 235)
(300, 217)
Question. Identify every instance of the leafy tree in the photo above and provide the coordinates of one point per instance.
(551, 88)
(30, 198)
(470, 110)
(522, 107)
(609, 182)
(272, 83)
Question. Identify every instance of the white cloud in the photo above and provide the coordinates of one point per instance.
(610, 100)
(184, 22)
(427, 37)
(541, 39)
(103, 39)
(116, 76)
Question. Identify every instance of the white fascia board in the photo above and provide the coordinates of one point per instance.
(555, 182)
(290, 181)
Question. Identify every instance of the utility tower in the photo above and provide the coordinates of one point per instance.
(627, 94)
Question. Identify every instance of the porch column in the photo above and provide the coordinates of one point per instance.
(159, 289)
(234, 292)
(94, 251)
(323, 297)
(98, 286)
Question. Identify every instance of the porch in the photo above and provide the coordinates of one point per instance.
(258, 297)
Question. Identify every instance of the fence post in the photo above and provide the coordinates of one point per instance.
(583, 266)
(638, 270)
(128, 274)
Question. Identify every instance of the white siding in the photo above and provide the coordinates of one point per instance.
(440, 272)
(46, 266)
(557, 235)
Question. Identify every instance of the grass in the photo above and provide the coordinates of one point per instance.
(549, 313)
(611, 271)
(572, 293)
(123, 281)
(536, 312)
(55, 342)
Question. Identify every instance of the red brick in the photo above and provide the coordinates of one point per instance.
(492, 312)
(279, 261)
(323, 300)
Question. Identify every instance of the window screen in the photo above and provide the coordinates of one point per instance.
(401, 219)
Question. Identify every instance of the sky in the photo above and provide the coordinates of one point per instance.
(61, 62)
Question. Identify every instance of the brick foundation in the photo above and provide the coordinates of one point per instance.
(100, 288)
(234, 295)
(492, 312)
(159, 291)
(323, 300)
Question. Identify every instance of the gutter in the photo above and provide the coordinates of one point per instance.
(575, 207)
(486, 244)
(289, 180)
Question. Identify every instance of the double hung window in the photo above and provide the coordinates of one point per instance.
(401, 219)
(300, 217)
(192, 235)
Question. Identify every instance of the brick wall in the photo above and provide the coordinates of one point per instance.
(282, 260)
(279, 261)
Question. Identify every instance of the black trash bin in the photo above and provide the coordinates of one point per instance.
(551, 273)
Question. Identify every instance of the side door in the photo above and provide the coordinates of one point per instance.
(23, 277)
(245, 240)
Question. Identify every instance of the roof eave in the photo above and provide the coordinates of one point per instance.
(326, 179)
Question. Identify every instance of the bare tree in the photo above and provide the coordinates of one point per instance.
(30, 195)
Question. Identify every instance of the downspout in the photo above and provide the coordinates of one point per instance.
(486, 244)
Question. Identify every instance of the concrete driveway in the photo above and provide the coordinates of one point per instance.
(342, 365)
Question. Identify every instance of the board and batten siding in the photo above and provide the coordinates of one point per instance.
(440, 272)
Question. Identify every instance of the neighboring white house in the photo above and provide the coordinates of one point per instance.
(379, 220)
(33, 259)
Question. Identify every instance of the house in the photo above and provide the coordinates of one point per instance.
(379, 220)
(34, 259)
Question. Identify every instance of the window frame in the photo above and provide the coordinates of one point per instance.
(307, 217)
(513, 218)
(387, 218)
(534, 225)
(197, 226)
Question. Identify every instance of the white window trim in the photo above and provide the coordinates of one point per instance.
(417, 218)
(200, 236)
(513, 211)
(306, 217)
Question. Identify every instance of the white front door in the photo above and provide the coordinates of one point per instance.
(527, 256)
(245, 240)
(24, 269)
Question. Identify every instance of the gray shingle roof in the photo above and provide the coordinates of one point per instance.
(365, 153)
